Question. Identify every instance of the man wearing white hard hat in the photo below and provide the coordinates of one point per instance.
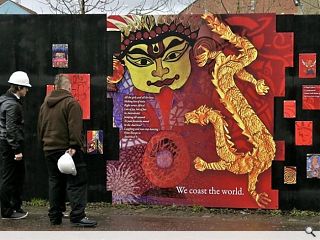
(60, 130)
(11, 146)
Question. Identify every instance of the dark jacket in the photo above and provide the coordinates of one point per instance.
(60, 122)
(11, 121)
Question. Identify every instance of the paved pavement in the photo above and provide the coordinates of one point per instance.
(144, 218)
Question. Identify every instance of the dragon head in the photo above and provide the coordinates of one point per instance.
(198, 116)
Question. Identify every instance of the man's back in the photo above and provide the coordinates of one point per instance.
(60, 121)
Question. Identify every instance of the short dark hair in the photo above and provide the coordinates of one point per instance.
(15, 88)
(60, 81)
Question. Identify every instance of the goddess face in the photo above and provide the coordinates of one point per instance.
(165, 63)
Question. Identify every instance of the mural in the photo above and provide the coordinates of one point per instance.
(193, 99)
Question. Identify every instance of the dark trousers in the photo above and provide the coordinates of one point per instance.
(76, 187)
(12, 178)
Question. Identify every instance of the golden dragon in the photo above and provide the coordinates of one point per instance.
(263, 152)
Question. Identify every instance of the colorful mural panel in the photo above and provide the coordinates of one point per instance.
(194, 106)
(60, 55)
(95, 142)
(290, 175)
(313, 165)
(307, 65)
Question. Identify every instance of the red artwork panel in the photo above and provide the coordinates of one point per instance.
(311, 97)
(289, 108)
(80, 88)
(50, 88)
(307, 65)
(303, 133)
(80, 84)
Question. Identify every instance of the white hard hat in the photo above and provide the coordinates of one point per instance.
(19, 78)
(66, 164)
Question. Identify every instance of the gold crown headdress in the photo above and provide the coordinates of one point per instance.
(136, 27)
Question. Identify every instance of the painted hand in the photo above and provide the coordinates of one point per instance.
(261, 87)
(199, 164)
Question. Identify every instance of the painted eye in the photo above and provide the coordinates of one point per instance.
(175, 55)
(144, 62)
(140, 62)
(172, 56)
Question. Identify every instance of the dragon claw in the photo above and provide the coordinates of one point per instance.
(199, 164)
(263, 199)
(261, 87)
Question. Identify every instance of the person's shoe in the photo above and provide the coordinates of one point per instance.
(20, 210)
(65, 215)
(16, 215)
(84, 222)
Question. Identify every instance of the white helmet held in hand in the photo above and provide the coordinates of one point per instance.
(66, 164)
(19, 78)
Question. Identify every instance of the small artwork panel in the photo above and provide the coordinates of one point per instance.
(307, 65)
(95, 142)
(311, 97)
(60, 55)
(303, 133)
(80, 87)
(290, 175)
(313, 165)
(289, 108)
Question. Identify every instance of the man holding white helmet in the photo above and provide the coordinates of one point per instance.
(11, 146)
(60, 130)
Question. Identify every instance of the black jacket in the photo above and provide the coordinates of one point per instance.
(11, 121)
(60, 122)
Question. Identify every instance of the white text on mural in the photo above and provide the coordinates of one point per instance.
(210, 191)
(134, 120)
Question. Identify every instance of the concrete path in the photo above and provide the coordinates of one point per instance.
(139, 218)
